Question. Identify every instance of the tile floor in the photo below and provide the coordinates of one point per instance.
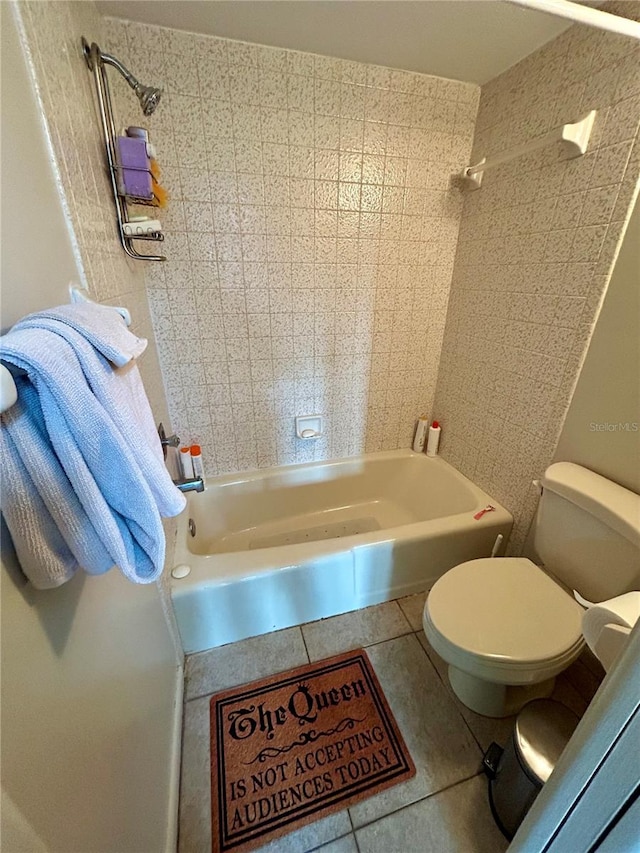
(444, 808)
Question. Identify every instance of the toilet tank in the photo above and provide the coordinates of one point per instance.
(588, 532)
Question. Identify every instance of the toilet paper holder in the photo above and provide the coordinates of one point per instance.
(606, 625)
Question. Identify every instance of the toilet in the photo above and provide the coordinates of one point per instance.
(505, 626)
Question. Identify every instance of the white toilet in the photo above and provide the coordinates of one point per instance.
(504, 626)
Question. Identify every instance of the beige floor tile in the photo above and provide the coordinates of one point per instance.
(346, 844)
(488, 729)
(413, 606)
(312, 836)
(195, 797)
(484, 729)
(593, 664)
(566, 693)
(457, 820)
(441, 733)
(337, 634)
(585, 680)
(438, 740)
(247, 660)
(195, 786)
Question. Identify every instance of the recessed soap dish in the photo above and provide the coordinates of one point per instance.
(309, 426)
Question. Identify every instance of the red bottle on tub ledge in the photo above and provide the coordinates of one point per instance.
(433, 439)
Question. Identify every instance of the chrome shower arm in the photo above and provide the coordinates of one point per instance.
(109, 59)
(149, 96)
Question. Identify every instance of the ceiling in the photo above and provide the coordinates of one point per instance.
(473, 40)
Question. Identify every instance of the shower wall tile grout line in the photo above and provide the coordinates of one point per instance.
(319, 245)
(311, 238)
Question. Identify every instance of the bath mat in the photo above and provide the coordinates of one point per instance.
(290, 749)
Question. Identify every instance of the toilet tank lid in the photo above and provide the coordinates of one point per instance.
(613, 505)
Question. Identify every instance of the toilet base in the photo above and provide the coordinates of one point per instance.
(496, 700)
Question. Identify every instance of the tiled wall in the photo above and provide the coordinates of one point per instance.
(65, 86)
(535, 252)
(312, 234)
(52, 33)
(311, 237)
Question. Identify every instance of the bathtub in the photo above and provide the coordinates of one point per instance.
(279, 547)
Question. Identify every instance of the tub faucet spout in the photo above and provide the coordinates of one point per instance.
(191, 484)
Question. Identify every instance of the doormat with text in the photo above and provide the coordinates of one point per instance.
(290, 749)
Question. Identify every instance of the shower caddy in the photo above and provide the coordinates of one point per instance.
(96, 61)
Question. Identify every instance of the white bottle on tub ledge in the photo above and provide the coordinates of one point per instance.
(196, 460)
(186, 463)
(434, 439)
(420, 435)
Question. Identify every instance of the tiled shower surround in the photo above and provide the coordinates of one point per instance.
(311, 237)
(52, 33)
(312, 233)
(536, 248)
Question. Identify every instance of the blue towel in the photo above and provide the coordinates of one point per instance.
(119, 391)
(82, 464)
(101, 325)
(31, 500)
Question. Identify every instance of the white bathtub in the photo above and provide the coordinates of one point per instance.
(284, 546)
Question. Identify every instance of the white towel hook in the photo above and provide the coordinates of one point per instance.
(8, 390)
(78, 294)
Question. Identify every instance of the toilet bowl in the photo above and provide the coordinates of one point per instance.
(505, 628)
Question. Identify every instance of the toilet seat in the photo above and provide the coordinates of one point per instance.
(503, 619)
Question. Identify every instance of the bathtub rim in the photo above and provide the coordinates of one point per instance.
(220, 568)
(237, 477)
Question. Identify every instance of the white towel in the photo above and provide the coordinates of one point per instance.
(81, 442)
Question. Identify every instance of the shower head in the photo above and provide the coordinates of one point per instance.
(149, 96)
